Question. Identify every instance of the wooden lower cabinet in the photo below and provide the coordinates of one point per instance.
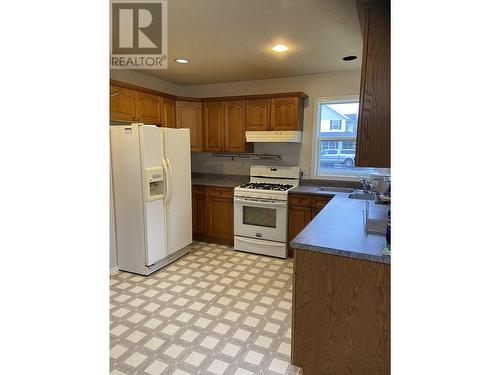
(213, 211)
(340, 315)
(199, 206)
(298, 218)
(220, 213)
(303, 208)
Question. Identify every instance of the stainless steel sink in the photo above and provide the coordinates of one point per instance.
(362, 196)
(335, 189)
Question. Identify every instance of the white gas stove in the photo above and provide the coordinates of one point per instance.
(260, 210)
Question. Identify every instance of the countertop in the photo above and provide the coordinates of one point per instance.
(219, 180)
(338, 229)
(310, 190)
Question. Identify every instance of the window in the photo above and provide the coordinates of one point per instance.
(335, 124)
(348, 145)
(329, 145)
(335, 139)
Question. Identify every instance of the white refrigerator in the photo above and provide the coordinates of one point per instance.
(151, 172)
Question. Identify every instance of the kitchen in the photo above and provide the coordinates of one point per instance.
(210, 190)
(260, 189)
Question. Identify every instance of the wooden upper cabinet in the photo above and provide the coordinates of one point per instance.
(189, 115)
(373, 146)
(213, 126)
(286, 114)
(258, 114)
(168, 112)
(235, 127)
(122, 103)
(148, 108)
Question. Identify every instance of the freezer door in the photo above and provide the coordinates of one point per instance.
(151, 155)
(177, 155)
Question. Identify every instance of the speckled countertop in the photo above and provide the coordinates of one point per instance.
(310, 190)
(338, 229)
(219, 180)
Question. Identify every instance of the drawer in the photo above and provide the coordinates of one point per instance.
(321, 201)
(215, 192)
(300, 200)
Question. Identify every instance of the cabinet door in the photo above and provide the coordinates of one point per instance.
(235, 126)
(298, 218)
(373, 143)
(122, 103)
(318, 202)
(258, 114)
(188, 115)
(213, 126)
(168, 112)
(315, 211)
(221, 213)
(200, 212)
(148, 108)
(285, 114)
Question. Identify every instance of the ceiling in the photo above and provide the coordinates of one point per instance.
(231, 40)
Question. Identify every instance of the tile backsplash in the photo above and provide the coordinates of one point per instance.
(204, 162)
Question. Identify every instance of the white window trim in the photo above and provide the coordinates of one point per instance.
(341, 175)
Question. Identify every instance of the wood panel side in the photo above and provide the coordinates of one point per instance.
(341, 315)
(373, 134)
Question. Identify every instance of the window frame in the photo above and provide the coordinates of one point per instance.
(340, 175)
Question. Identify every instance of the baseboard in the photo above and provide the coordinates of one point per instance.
(113, 270)
(214, 239)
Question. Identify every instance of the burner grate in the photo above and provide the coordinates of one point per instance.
(266, 186)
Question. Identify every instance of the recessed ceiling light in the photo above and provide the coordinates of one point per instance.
(182, 61)
(280, 48)
(349, 58)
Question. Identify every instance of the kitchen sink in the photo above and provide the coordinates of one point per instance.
(335, 189)
(362, 196)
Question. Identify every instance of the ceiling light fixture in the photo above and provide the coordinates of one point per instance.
(182, 61)
(280, 48)
(349, 58)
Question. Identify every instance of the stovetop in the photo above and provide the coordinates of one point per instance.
(266, 186)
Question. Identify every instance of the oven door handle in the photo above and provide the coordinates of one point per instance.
(260, 203)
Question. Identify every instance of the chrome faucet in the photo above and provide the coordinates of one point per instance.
(367, 186)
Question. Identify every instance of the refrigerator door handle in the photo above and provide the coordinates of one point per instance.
(169, 198)
(166, 183)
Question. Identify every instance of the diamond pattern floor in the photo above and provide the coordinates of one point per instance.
(214, 311)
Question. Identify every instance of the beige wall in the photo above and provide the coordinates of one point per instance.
(344, 83)
(143, 80)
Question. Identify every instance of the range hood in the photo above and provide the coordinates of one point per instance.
(274, 136)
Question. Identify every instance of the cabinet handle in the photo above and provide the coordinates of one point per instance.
(115, 94)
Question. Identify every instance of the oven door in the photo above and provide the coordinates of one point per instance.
(264, 219)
